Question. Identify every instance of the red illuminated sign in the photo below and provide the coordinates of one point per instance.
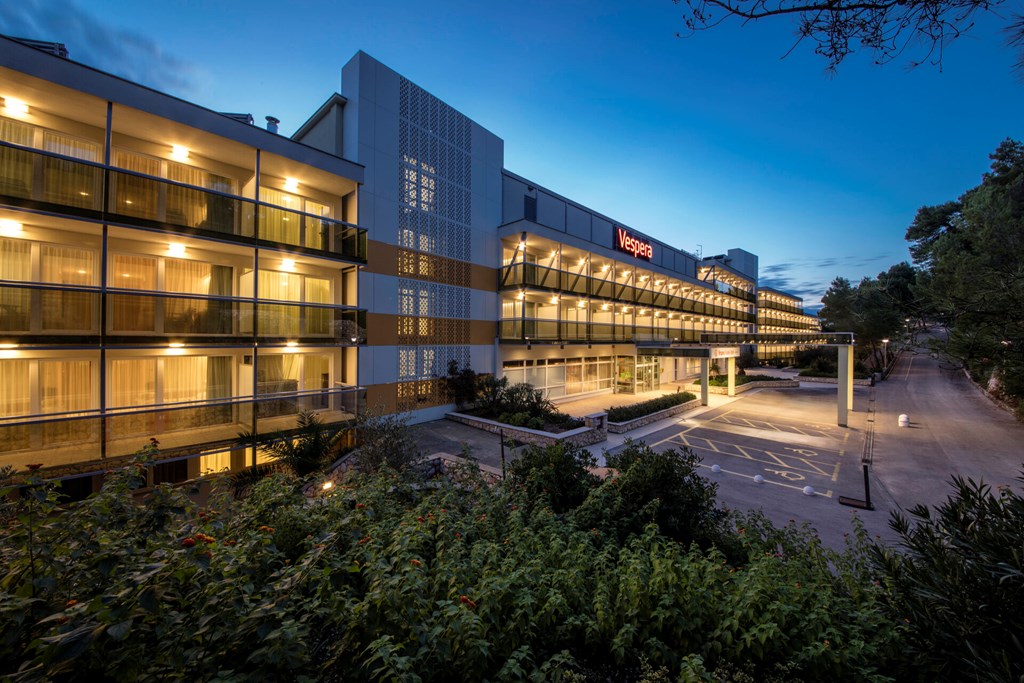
(625, 241)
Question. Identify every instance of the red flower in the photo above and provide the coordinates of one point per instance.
(205, 539)
(466, 601)
(188, 543)
(34, 467)
(364, 539)
(420, 519)
(458, 535)
(416, 563)
(268, 529)
(359, 506)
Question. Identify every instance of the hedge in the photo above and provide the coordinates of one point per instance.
(631, 412)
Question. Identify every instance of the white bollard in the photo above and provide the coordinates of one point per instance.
(808, 490)
(758, 479)
(904, 421)
(716, 468)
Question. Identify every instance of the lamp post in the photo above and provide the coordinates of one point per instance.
(885, 356)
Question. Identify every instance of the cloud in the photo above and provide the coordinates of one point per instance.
(125, 53)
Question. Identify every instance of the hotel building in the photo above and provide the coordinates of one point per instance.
(172, 272)
(783, 314)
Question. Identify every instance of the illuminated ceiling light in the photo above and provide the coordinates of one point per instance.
(292, 344)
(179, 152)
(288, 264)
(672, 285)
(9, 228)
(291, 184)
(554, 253)
(604, 307)
(643, 311)
(80, 271)
(176, 250)
(521, 296)
(644, 277)
(659, 282)
(582, 303)
(554, 299)
(176, 345)
(582, 261)
(8, 346)
(15, 107)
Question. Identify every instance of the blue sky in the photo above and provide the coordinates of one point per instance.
(711, 140)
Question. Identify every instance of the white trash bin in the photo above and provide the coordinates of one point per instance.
(904, 420)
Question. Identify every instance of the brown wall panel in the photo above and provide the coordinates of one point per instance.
(382, 258)
(382, 397)
(482, 331)
(381, 329)
(482, 277)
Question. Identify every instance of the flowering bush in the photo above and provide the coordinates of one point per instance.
(388, 579)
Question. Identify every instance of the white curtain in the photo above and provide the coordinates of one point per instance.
(137, 196)
(16, 265)
(279, 320)
(14, 388)
(132, 313)
(67, 182)
(318, 320)
(65, 386)
(278, 225)
(132, 382)
(16, 165)
(70, 311)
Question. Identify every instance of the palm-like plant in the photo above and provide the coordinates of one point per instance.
(303, 450)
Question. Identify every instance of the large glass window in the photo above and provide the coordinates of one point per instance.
(197, 315)
(67, 311)
(15, 390)
(133, 313)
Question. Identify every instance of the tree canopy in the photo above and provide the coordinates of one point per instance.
(971, 255)
(920, 29)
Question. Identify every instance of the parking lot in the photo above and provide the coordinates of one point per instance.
(789, 438)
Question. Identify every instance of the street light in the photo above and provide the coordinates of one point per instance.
(885, 356)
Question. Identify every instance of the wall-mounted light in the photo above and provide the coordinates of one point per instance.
(288, 264)
(179, 152)
(521, 295)
(554, 299)
(582, 303)
(10, 228)
(176, 345)
(15, 107)
(291, 184)
(291, 344)
(176, 250)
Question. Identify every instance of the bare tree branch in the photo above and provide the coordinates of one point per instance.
(888, 28)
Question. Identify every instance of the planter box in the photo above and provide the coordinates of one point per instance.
(595, 430)
(636, 423)
(740, 388)
(832, 380)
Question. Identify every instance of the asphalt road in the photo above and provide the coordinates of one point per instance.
(954, 430)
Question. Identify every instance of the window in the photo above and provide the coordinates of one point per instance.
(16, 266)
(66, 310)
(15, 390)
(133, 312)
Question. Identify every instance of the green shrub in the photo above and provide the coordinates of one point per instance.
(393, 580)
(723, 380)
(558, 475)
(631, 412)
(957, 584)
(660, 487)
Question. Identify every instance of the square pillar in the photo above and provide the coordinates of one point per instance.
(705, 377)
(730, 370)
(844, 388)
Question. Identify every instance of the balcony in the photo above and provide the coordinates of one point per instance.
(537, 330)
(85, 440)
(529, 275)
(59, 184)
(36, 313)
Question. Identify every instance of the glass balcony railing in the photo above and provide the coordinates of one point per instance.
(530, 275)
(768, 304)
(768, 320)
(28, 310)
(61, 441)
(535, 330)
(133, 199)
(812, 338)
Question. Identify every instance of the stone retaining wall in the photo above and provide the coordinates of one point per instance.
(832, 380)
(740, 388)
(636, 423)
(595, 430)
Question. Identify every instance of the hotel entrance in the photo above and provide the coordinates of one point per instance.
(637, 374)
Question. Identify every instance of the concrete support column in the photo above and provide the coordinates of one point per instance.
(730, 370)
(844, 398)
(705, 377)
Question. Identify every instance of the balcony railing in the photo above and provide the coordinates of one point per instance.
(61, 184)
(520, 275)
(74, 440)
(36, 310)
(537, 330)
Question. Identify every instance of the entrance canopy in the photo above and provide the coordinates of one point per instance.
(688, 351)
